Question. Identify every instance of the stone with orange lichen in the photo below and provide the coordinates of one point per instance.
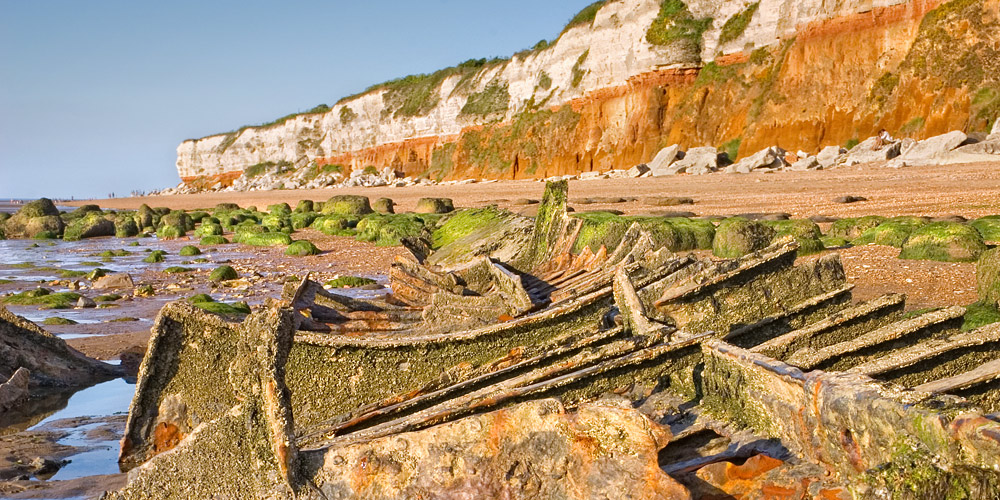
(533, 450)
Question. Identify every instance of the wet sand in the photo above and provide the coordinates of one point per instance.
(970, 190)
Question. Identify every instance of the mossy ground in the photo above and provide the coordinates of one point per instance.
(944, 241)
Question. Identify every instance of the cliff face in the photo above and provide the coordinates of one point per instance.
(644, 74)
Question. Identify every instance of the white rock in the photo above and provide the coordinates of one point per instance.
(663, 159)
(697, 161)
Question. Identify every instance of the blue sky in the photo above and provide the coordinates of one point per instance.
(96, 95)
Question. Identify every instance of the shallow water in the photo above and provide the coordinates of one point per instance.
(102, 400)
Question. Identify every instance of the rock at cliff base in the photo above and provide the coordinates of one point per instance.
(435, 206)
(696, 161)
(114, 281)
(935, 147)
(91, 225)
(384, 206)
(347, 204)
(662, 161)
(869, 152)
(637, 171)
(830, 156)
(806, 163)
(768, 158)
(737, 236)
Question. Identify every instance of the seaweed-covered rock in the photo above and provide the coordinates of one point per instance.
(226, 207)
(944, 241)
(335, 225)
(279, 209)
(893, 232)
(213, 240)
(805, 232)
(302, 248)
(435, 206)
(146, 217)
(125, 226)
(268, 239)
(988, 277)
(384, 206)
(607, 229)
(189, 251)
(390, 229)
(851, 228)
(89, 225)
(178, 218)
(209, 229)
(170, 232)
(223, 273)
(155, 256)
(988, 227)
(34, 219)
(304, 206)
(736, 237)
(277, 222)
(302, 220)
(347, 204)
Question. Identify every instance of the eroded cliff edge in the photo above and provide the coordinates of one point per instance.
(629, 77)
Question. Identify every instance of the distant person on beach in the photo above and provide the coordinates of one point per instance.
(882, 139)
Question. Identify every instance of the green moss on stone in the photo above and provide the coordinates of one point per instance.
(302, 248)
(189, 251)
(155, 256)
(736, 237)
(56, 320)
(223, 273)
(893, 232)
(349, 282)
(944, 241)
(177, 270)
(390, 229)
(988, 227)
(805, 232)
(43, 297)
(347, 205)
(213, 240)
(263, 239)
(851, 228)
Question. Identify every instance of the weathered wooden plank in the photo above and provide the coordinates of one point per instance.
(983, 373)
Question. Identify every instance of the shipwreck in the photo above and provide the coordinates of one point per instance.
(462, 380)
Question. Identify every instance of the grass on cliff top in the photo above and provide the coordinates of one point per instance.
(585, 16)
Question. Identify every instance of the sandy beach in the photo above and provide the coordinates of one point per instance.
(970, 190)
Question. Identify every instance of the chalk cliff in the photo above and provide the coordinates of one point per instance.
(629, 77)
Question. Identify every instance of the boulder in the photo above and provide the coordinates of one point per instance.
(125, 226)
(435, 206)
(768, 158)
(944, 241)
(384, 206)
(39, 218)
(830, 156)
(737, 236)
(696, 161)
(807, 163)
(305, 206)
(637, 171)
(50, 363)
(866, 152)
(849, 199)
(90, 225)
(662, 161)
(934, 147)
(85, 303)
(347, 204)
(114, 281)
